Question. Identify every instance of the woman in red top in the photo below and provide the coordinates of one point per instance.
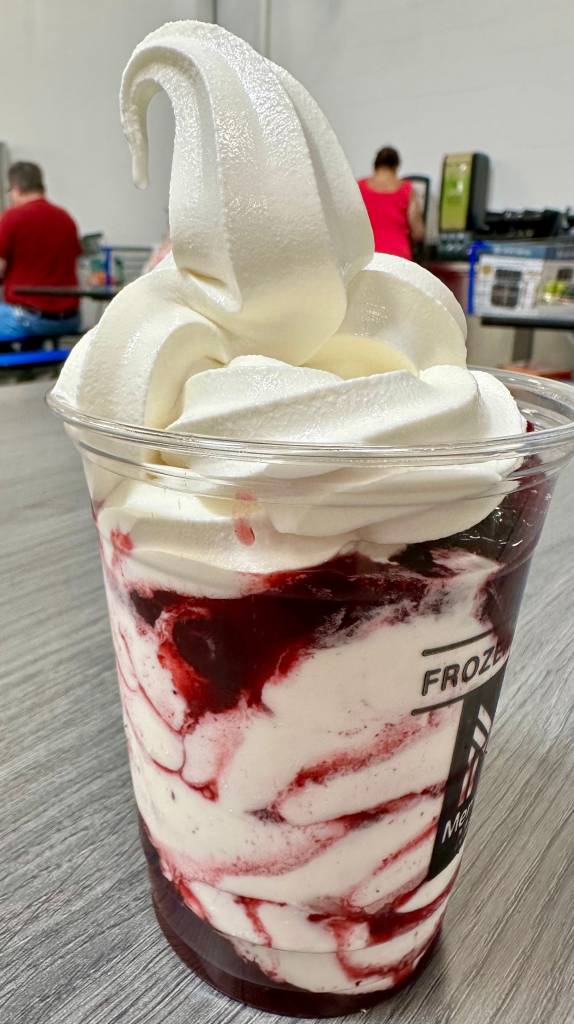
(393, 206)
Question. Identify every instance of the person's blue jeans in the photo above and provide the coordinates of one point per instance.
(17, 323)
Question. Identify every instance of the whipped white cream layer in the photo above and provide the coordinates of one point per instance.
(273, 320)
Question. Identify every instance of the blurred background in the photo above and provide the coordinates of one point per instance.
(475, 97)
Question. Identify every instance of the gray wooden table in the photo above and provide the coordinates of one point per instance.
(79, 941)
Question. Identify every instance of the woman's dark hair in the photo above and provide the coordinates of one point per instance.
(389, 157)
(26, 176)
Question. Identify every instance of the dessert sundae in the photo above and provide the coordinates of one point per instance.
(312, 598)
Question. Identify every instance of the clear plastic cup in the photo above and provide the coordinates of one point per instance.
(307, 715)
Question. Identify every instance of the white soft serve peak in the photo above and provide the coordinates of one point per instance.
(272, 319)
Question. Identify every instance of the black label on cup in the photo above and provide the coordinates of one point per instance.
(477, 716)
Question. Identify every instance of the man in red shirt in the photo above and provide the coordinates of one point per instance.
(39, 246)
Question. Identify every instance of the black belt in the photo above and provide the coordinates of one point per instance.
(64, 315)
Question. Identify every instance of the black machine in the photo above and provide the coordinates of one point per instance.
(421, 185)
(521, 224)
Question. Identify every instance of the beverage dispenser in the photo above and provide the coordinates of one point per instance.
(462, 206)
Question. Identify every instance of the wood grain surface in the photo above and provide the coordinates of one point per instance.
(79, 941)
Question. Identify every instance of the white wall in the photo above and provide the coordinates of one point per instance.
(241, 17)
(437, 76)
(431, 76)
(60, 68)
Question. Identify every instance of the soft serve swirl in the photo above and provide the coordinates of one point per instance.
(272, 320)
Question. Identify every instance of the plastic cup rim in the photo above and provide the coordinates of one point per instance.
(508, 446)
